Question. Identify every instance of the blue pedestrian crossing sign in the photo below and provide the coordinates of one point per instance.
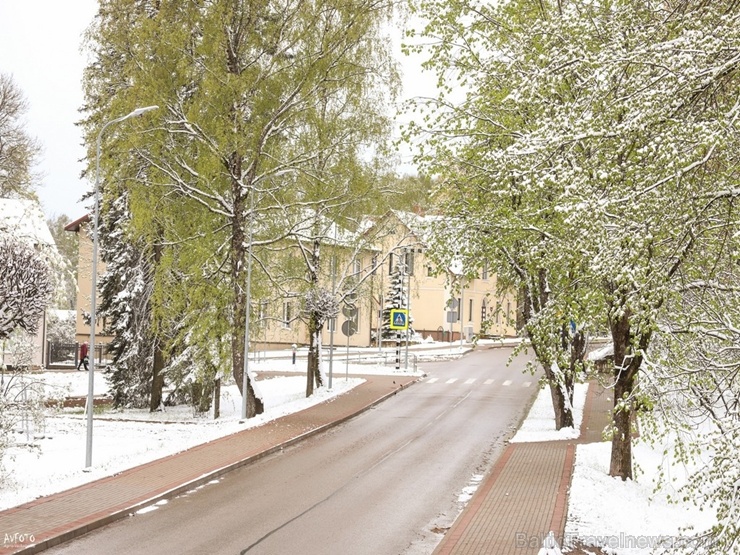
(399, 319)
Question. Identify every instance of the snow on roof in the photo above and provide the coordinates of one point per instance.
(340, 235)
(421, 225)
(24, 219)
(305, 228)
(602, 353)
(61, 313)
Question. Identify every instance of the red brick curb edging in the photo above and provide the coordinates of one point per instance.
(60, 534)
(458, 529)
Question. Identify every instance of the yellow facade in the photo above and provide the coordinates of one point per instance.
(84, 283)
(277, 324)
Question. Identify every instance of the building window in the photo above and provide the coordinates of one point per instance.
(357, 267)
(483, 314)
(459, 308)
(331, 325)
(263, 313)
(287, 313)
(410, 262)
(498, 313)
(484, 270)
(470, 310)
(407, 257)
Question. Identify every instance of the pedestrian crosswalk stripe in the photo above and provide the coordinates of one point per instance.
(471, 381)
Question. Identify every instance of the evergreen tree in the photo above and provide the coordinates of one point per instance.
(126, 290)
(397, 298)
(252, 97)
(68, 248)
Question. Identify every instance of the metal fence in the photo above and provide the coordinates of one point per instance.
(67, 355)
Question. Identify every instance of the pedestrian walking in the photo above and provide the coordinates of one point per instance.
(83, 357)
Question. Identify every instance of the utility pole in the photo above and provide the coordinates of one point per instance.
(408, 307)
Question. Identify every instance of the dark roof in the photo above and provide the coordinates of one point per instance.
(75, 225)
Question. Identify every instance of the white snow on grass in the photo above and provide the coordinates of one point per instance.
(630, 517)
(49, 457)
(627, 517)
(540, 422)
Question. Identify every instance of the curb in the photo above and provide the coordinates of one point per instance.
(84, 527)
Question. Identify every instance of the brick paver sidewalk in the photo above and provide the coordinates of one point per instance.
(525, 495)
(60, 517)
(521, 500)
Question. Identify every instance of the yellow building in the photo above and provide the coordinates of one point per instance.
(84, 283)
(434, 292)
(440, 309)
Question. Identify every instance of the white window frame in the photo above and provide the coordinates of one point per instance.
(287, 313)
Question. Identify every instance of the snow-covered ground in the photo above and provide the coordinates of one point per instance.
(625, 517)
(622, 518)
(49, 457)
(540, 422)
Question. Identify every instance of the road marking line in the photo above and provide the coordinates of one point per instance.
(451, 380)
(468, 382)
(488, 382)
(432, 380)
(526, 384)
(507, 382)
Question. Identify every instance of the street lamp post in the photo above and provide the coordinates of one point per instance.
(93, 294)
(245, 375)
(408, 302)
(336, 316)
(462, 309)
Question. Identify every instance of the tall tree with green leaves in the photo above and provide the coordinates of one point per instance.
(514, 226)
(596, 139)
(251, 95)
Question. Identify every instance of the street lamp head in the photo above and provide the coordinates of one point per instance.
(140, 111)
(136, 113)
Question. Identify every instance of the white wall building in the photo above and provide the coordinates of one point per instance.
(25, 220)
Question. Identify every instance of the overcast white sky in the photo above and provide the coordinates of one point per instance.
(40, 47)
(40, 44)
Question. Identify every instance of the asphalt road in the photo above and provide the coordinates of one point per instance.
(386, 482)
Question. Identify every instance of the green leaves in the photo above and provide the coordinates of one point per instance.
(270, 112)
(593, 153)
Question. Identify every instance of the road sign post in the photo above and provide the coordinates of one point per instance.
(399, 321)
(349, 328)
